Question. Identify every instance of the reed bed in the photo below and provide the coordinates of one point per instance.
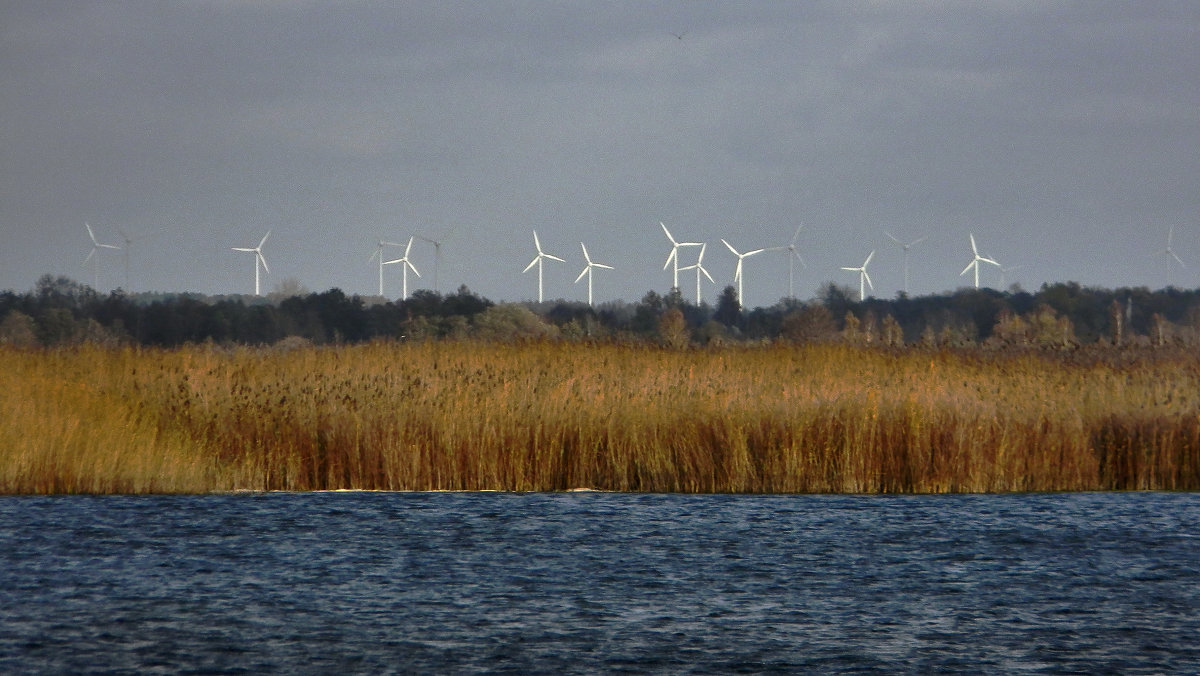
(554, 415)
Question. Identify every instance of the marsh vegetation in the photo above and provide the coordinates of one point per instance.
(548, 415)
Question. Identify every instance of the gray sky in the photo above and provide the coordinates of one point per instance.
(1064, 135)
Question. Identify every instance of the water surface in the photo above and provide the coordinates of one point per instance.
(588, 582)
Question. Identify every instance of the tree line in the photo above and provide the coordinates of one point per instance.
(61, 311)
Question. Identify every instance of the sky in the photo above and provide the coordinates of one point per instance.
(1064, 136)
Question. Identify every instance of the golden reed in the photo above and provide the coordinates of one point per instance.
(552, 416)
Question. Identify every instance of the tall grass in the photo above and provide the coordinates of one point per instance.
(554, 416)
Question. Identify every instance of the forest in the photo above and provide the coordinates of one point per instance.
(60, 311)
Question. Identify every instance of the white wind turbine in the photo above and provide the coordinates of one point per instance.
(1169, 252)
(406, 265)
(378, 254)
(537, 260)
(793, 256)
(863, 277)
(587, 270)
(96, 246)
(737, 274)
(673, 257)
(259, 259)
(906, 246)
(976, 261)
(699, 268)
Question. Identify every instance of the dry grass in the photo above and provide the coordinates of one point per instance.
(553, 416)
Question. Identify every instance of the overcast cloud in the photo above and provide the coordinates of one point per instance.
(1063, 135)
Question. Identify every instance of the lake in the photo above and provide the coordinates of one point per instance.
(600, 582)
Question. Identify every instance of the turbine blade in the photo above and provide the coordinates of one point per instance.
(796, 234)
(412, 267)
(531, 264)
(536, 242)
(586, 257)
(108, 246)
(737, 271)
(669, 236)
(983, 259)
(850, 269)
(602, 265)
(554, 258)
(378, 253)
(974, 250)
(93, 235)
(730, 247)
(751, 253)
(918, 240)
(869, 257)
(868, 278)
(408, 247)
(585, 271)
(241, 248)
(893, 238)
(802, 263)
(1177, 259)
(263, 259)
(966, 269)
(671, 256)
(701, 268)
(264, 240)
(90, 254)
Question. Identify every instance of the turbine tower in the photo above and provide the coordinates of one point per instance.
(587, 270)
(793, 256)
(537, 260)
(976, 261)
(96, 246)
(863, 277)
(259, 259)
(378, 254)
(905, 246)
(699, 268)
(737, 274)
(673, 257)
(406, 265)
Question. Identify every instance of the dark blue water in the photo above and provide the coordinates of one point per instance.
(584, 583)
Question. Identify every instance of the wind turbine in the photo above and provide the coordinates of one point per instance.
(96, 246)
(129, 245)
(258, 259)
(673, 257)
(378, 254)
(863, 277)
(405, 266)
(976, 261)
(587, 270)
(537, 260)
(1004, 271)
(437, 259)
(905, 246)
(1169, 251)
(699, 268)
(793, 256)
(737, 274)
